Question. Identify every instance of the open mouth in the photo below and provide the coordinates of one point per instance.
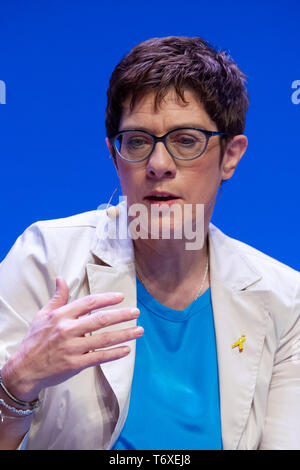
(161, 198)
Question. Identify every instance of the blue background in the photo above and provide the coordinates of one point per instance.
(56, 60)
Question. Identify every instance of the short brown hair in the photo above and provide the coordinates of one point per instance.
(180, 62)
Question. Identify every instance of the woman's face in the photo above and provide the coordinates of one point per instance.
(192, 182)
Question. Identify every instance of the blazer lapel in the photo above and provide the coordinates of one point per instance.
(116, 273)
(240, 306)
(118, 373)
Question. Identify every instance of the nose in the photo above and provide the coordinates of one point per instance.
(160, 164)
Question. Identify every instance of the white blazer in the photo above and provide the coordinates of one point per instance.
(252, 294)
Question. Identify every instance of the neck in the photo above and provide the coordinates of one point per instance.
(172, 274)
(159, 257)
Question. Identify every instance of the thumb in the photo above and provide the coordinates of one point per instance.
(61, 295)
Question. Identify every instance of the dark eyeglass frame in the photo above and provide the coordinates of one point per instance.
(156, 139)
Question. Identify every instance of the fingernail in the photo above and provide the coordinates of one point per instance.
(135, 312)
(139, 330)
(116, 295)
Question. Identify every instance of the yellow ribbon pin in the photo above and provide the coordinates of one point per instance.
(239, 343)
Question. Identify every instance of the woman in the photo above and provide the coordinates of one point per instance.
(215, 364)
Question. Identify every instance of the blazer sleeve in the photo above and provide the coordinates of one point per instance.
(27, 281)
(282, 424)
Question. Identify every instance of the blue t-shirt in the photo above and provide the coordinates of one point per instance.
(174, 400)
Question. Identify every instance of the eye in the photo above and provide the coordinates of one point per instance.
(136, 141)
(184, 139)
(187, 139)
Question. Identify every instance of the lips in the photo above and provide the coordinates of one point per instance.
(161, 196)
(163, 199)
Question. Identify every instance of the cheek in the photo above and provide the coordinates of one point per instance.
(130, 180)
(202, 182)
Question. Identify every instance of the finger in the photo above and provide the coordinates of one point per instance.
(91, 359)
(108, 338)
(88, 303)
(102, 319)
(60, 298)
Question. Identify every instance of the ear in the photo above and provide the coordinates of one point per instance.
(234, 151)
(110, 149)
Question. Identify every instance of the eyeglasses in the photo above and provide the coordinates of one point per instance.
(184, 143)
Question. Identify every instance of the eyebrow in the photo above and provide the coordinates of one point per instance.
(171, 128)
